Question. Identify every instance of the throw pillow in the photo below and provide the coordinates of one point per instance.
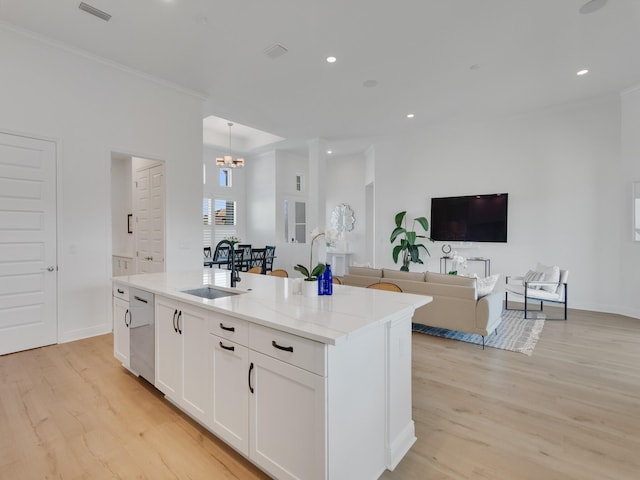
(551, 274)
(533, 276)
(484, 286)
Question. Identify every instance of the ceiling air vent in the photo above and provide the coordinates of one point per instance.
(275, 51)
(94, 11)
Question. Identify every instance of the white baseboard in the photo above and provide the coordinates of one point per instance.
(82, 333)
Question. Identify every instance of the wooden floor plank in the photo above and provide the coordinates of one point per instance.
(569, 411)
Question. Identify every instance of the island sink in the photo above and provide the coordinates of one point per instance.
(209, 292)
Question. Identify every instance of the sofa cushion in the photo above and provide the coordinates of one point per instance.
(451, 279)
(366, 271)
(551, 274)
(484, 286)
(533, 276)
(399, 275)
(359, 280)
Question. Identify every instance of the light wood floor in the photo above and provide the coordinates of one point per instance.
(570, 411)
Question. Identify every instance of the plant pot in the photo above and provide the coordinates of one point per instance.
(310, 288)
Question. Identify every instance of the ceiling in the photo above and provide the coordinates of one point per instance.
(443, 60)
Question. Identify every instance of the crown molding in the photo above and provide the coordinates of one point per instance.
(104, 61)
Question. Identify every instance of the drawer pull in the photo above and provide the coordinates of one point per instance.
(140, 299)
(280, 347)
(250, 368)
(231, 348)
(228, 329)
(121, 292)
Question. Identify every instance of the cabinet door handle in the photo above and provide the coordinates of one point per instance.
(178, 322)
(228, 329)
(175, 312)
(250, 368)
(231, 348)
(127, 314)
(121, 292)
(280, 347)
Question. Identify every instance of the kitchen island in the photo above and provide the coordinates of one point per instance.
(304, 387)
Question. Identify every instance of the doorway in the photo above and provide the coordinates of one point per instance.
(137, 215)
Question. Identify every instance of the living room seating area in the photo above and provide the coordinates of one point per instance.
(466, 304)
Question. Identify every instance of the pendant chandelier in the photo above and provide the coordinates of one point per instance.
(228, 160)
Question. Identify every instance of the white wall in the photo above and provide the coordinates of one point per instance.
(121, 206)
(345, 184)
(629, 251)
(562, 169)
(91, 109)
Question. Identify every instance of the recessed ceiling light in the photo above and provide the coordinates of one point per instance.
(411, 115)
(582, 72)
(331, 59)
(592, 6)
(329, 152)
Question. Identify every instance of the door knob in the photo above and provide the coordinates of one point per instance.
(49, 269)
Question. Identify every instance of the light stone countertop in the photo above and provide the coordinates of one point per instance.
(269, 301)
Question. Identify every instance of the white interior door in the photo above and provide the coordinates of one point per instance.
(149, 214)
(28, 271)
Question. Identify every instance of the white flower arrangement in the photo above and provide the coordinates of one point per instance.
(458, 262)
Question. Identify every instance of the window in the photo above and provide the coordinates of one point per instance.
(225, 212)
(225, 177)
(218, 220)
(299, 182)
(296, 223)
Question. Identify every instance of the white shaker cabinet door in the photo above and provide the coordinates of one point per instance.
(168, 349)
(230, 390)
(196, 371)
(287, 420)
(121, 319)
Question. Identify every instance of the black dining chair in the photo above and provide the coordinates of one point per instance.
(270, 254)
(245, 259)
(257, 258)
(221, 256)
(207, 257)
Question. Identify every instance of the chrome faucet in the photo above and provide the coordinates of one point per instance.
(235, 275)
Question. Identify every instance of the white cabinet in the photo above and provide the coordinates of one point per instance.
(287, 428)
(230, 392)
(182, 367)
(122, 265)
(265, 404)
(121, 322)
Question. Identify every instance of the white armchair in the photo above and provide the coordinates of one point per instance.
(544, 284)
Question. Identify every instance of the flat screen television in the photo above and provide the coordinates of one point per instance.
(473, 218)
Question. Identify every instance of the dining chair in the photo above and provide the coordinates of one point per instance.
(270, 254)
(390, 287)
(279, 272)
(257, 258)
(207, 257)
(246, 256)
(255, 270)
(221, 256)
(336, 280)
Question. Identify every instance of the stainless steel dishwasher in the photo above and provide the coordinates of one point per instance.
(142, 334)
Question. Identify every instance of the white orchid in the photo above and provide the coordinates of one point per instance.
(312, 273)
(458, 261)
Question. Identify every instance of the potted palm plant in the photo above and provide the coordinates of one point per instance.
(408, 247)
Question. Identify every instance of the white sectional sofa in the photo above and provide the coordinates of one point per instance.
(457, 304)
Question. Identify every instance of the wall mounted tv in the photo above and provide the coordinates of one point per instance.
(473, 218)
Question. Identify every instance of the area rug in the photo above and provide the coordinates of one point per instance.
(514, 333)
